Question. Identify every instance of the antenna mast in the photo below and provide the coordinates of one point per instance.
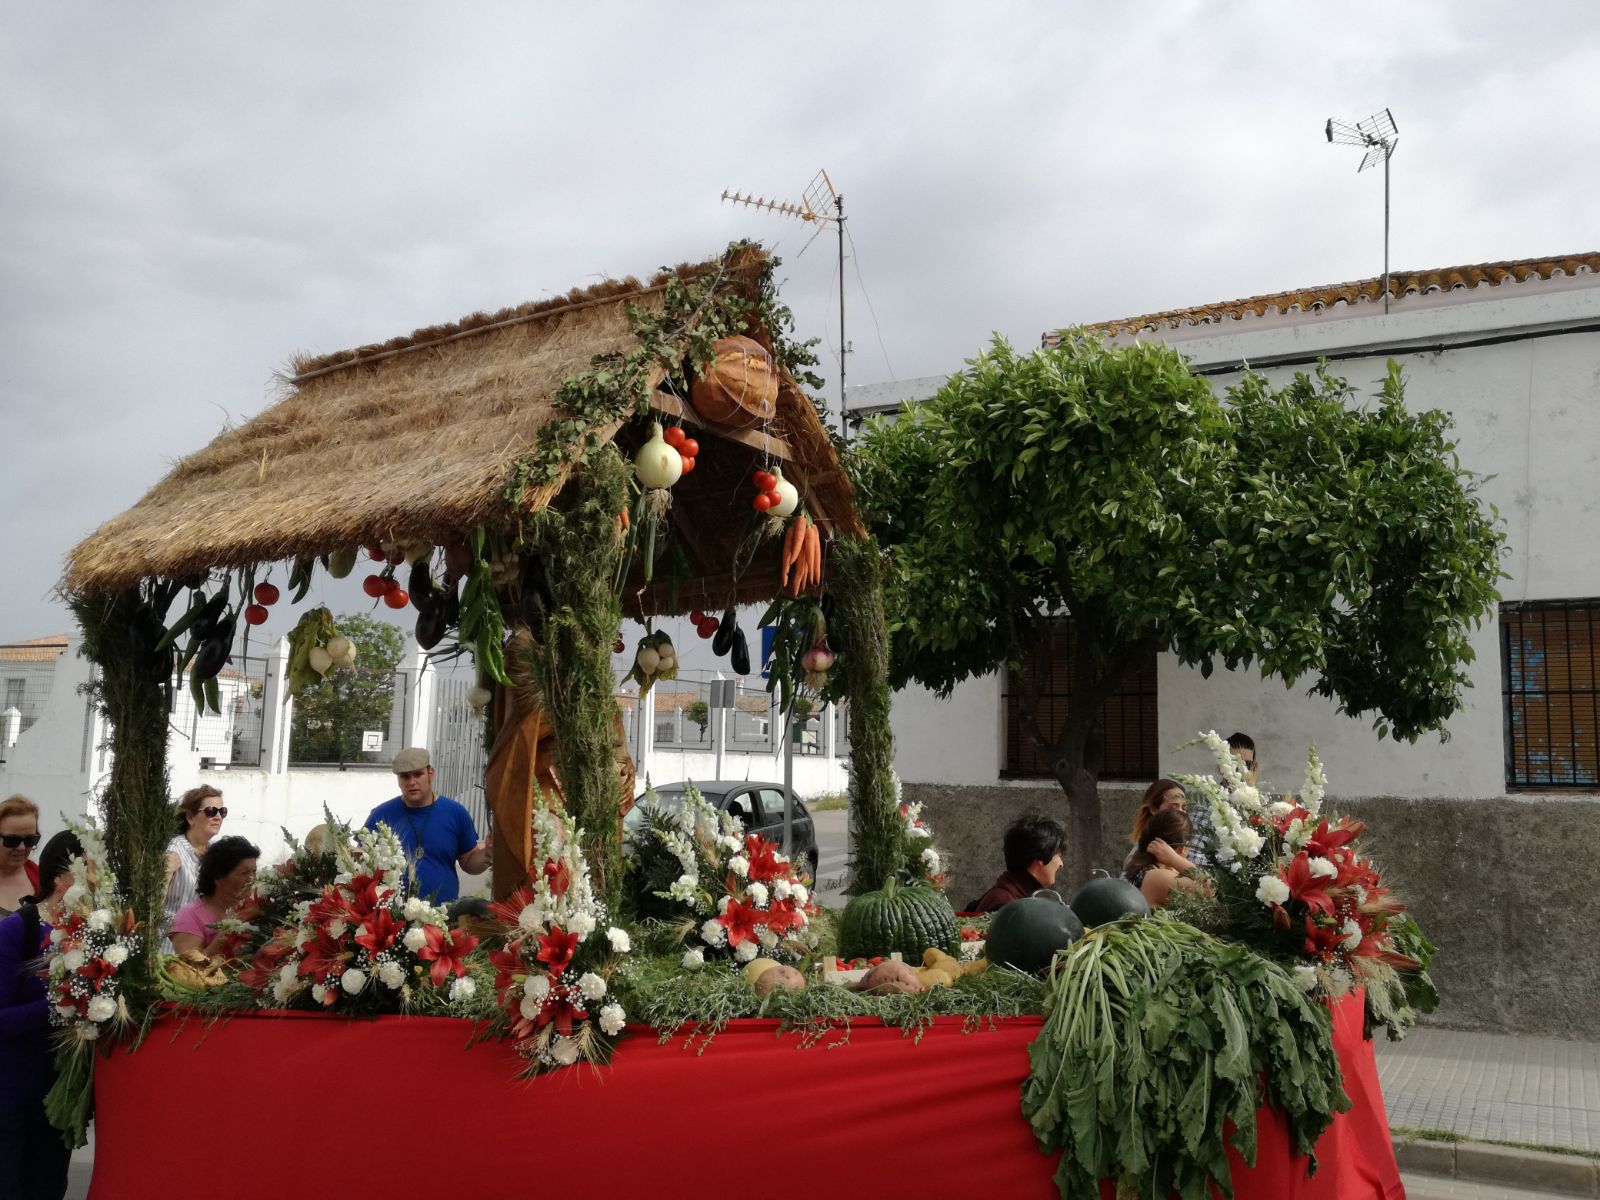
(1378, 135)
(820, 205)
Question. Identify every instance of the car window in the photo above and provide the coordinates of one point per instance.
(772, 803)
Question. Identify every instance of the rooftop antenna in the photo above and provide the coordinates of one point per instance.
(1378, 135)
(820, 205)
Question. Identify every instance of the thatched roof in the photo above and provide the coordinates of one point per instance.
(415, 438)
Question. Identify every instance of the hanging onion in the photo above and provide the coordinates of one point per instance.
(788, 499)
(657, 464)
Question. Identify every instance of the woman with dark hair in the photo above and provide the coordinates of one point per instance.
(200, 816)
(227, 870)
(33, 1158)
(1033, 846)
(1151, 867)
(1164, 795)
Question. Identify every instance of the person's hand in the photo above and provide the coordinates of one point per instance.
(1166, 855)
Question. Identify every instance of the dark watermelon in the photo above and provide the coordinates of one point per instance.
(1026, 934)
(1105, 899)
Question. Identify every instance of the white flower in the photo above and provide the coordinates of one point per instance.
(100, 919)
(620, 942)
(782, 888)
(1246, 796)
(565, 1051)
(66, 1012)
(318, 992)
(581, 924)
(1247, 843)
(415, 939)
(416, 909)
(713, 933)
(756, 893)
(391, 975)
(536, 987)
(1272, 890)
(731, 844)
(1306, 977)
(116, 954)
(612, 1019)
(337, 928)
(530, 918)
(1280, 808)
(287, 972)
(1352, 935)
(530, 1008)
(102, 1008)
(72, 960)
(57, 936)
(739, 865)
(462, 989)
(919, 831)
(722, 904)
(353, 980)
(73, 896)
(930, 859)
(745, 952)
(1360, 894)
(301, 937)
(768, 939)
(1299, 833)
(1321, 868)
(693, 960)
(88, 1033)
(799, 895)
(591, 985)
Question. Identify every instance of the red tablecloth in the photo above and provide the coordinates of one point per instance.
(292, 1104)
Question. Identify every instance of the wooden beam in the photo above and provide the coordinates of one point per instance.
(767, 443)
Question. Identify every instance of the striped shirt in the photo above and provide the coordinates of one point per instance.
(182, 887)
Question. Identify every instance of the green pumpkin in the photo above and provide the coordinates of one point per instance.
(1026, 934)
(909, 918)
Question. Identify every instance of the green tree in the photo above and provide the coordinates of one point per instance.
(1290, 528)
(700, 713)
(329, 718)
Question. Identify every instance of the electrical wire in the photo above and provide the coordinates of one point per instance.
(855, 258)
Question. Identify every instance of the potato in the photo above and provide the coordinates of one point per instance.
(756, 968)
(890, 979)
(932, 977)
(780, 976)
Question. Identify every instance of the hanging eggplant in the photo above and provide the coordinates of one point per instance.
(431, 623)
(209, 661)
(450, 598)
(740, 659)
(726, 628)
(421, 585)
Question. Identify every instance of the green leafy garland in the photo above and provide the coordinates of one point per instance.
(1157, 1038)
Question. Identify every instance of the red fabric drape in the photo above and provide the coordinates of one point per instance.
(401, 1107)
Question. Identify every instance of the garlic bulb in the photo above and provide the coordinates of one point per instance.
(657, 464)
(788, 499)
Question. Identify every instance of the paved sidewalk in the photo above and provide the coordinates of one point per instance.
(1494, 1087)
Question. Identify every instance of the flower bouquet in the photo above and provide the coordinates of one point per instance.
(91, 941)
(551, 974)
(361, 946)
(1292, 884)
(730, 893)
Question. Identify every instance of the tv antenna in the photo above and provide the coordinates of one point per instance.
(821, 206)
(1378, 135)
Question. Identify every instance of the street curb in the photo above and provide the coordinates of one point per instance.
(1483, 1162)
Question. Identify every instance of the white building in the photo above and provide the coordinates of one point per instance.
(1512, 351)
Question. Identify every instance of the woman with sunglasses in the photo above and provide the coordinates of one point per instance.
(19, 834)
(200, 816)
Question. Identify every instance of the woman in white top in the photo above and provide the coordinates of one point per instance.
(200, 816)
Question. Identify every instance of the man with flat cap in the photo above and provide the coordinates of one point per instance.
(436, 832)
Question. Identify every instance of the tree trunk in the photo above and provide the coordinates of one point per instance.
(1082, 854)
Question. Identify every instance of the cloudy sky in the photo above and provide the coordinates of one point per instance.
(189, 194)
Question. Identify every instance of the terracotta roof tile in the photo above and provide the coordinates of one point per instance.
(45, 649)
(1362, 291)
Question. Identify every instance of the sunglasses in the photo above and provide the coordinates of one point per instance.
(13, 840)
(211, 810)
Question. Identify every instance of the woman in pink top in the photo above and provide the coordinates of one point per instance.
(227, 869)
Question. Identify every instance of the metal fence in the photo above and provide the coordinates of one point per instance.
(233, 736)
(682, 713)
(24, 691)
(458, 752)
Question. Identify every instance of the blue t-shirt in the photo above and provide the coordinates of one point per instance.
(445, 832)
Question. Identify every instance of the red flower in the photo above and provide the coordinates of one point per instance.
(95, 969)
(1281, 824)
(560, 1010)
(557, 877)
(556, 949)
(379, 931)
(445, 950)
(1311, 890)
(508, 911)
(763, 856)
(742, 921)
(363, 897)
(328, 908)
(1327, 839)
(264, 966)
(254, 905)
(322, 955)
(508, 967)
(229, 946)
(1322, 940)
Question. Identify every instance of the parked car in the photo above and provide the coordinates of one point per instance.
(758, 807)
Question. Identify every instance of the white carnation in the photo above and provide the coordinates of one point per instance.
(530, 918)
(713, 933)
(353, 980)
(799, 894)
(536, 987)
(919, 831)
(739, 865)
(581, 924)
(1352, 935)
(612, 1019)
(318, 992)
(73, 896)
(565, 1051)
(416, 909)
(72, 960)
(1272, 890)
(337, 927)
(620, 942)
(693, 959)
(287, 972)
(1339, 982)
(100, 919)
(116, 954)
(1280, 808)
(462, 989)
(591, 985)
(756, 893)
(1321, 868)
(745, 952)
(1247, 843)
(1246, 796)
(102, 1008)
(782, 888)
(415, 939)
(930, 859)
(66, 1012)
(768, 939)
(391, 975)
(731, 844)
(722, 904)
(530, 1008)
(1306, 977)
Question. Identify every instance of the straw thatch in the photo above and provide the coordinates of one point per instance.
(416, 439)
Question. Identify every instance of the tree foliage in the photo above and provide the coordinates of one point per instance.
(330, 717)
(1292, 528)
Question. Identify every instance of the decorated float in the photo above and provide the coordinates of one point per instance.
(530, 478)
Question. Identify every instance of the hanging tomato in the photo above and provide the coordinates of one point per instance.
(374, 585)
(255, 614)
(266, 593)
(675, 437)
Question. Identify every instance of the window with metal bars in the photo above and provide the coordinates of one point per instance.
(1550, 685)
(1128, 716)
